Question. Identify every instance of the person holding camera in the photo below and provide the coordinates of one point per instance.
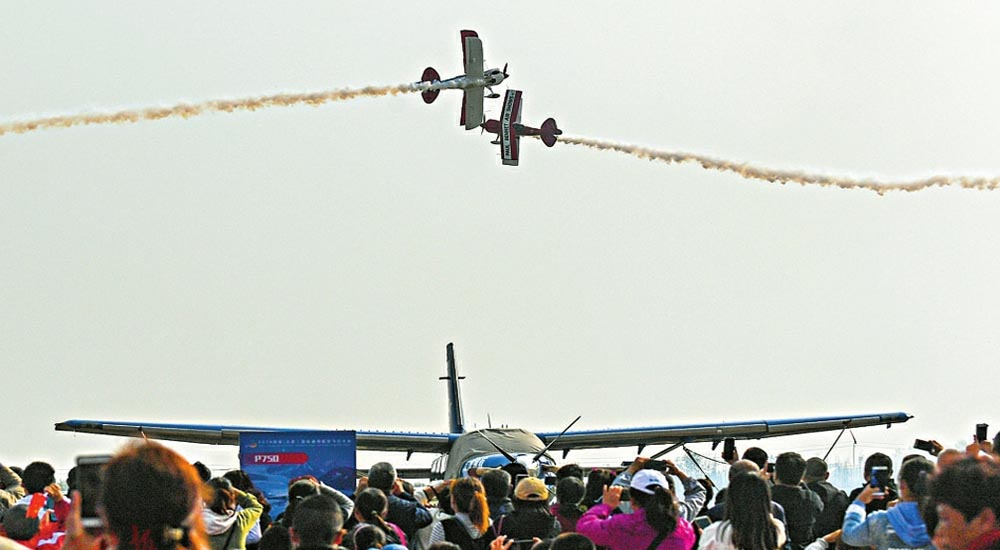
(901, 526)
(151, 500)
(694, 493)
(653, 524)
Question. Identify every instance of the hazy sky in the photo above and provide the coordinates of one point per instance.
(306, 266)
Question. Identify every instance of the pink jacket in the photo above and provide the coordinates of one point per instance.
(630, 531)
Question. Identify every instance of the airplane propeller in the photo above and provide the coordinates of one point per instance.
(505, 75)
(505, 454)
(554, 439)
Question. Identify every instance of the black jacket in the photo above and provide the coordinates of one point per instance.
(835, 504)
(802, 506)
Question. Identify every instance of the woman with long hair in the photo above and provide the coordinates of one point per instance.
(370, 508)
(748, 523)
(229, 515)
(151, 498)
(653, 524)
(470, 527)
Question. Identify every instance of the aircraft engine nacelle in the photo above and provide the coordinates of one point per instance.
(549, 131)
(430, 75)
(492, 126)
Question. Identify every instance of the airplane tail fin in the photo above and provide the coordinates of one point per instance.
(549, 131)
(430, 75)
(455, 415)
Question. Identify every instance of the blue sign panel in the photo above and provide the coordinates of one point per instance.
(271, 459)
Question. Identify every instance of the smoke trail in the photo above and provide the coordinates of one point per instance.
(784, 176)
(195, 109)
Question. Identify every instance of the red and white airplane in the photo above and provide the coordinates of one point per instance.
(509, 129)
(476, 78)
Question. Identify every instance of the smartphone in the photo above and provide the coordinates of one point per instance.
(729, 449)
(770, 467)
(923, 445)
(660, 465)
(702, 521)
(879, 480)
(981, 432)
(89, 480)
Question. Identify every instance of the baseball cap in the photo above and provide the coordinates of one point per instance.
(531, 488)
(643, 479)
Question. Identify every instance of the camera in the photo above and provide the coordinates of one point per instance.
(981, 432)
(923, 445)
(879, 480)
(89, 481)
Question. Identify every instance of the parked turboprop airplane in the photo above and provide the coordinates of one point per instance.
(494, 447)
(476, 78)
(509, 129)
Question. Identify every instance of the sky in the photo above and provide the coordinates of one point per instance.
(306, 266)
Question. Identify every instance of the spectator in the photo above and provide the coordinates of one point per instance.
(801, 505)
(497, 486)
(370, 508)
(29, 526)
(37, 476)
(11, 489)
(597, 479)
(653, 523)
(567, 510)
(569, 470)
(948, 457)
(709, 493)
(275, 538)
(304, 487)
(749, 524)
(834, 500)
(370, 537)
(470, 528)
(204, 472)
(891, 493)
(718, 512)
(694, 492)
(164, 515)
(531, 516)
(227, 528)
(404, 510)
(902, 525)
(966, 496)
(571, 541)
(318, 524)
(758, 456)
(241, 481)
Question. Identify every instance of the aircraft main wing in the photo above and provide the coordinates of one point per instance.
(695, 433)
(230, 435)
(472, 98)
(509, 140)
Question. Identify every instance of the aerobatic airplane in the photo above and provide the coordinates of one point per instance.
(509, 129)
(476, 78)
(495, 447)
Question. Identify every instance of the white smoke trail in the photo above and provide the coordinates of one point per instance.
(785, 176)
(194, 109)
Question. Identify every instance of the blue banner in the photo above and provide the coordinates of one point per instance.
(271, 459)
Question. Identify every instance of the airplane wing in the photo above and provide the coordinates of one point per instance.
(509, 140)
(230, 435)
(695, 433)
(472, 98)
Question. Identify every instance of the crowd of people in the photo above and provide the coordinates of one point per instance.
(153, 499)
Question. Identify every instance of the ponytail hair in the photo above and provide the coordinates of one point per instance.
(661, 514)
(470, 498)
(371, 504)
(914, 472)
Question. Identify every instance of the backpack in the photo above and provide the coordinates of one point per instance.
(455, 532)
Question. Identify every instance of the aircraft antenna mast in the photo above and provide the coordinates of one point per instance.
(455, 415)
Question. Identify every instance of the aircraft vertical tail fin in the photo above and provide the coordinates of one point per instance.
(455, 415)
